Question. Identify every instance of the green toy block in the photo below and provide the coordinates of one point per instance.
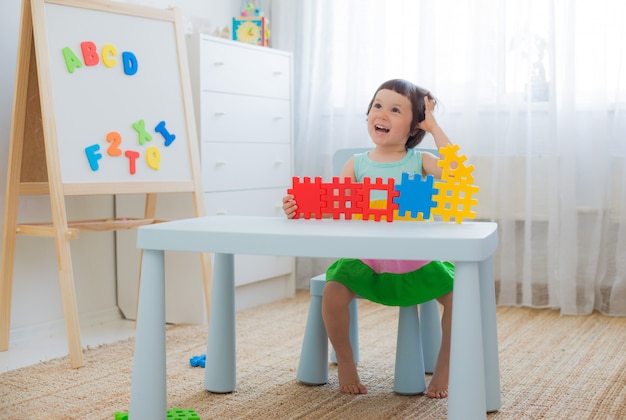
(173, 414)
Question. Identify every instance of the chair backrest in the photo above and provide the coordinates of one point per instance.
(342, 155)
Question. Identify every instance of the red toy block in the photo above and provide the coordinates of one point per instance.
(378, 185)
(343, 197)
(308, 196)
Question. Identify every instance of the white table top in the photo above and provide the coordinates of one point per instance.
(468, 241)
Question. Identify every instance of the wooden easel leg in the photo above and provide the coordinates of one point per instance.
(6, 282)
(70, 311)
(13, 175)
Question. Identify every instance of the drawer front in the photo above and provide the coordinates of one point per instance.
(227, 117)
(260, 202)
(245, 70)
(241, 166)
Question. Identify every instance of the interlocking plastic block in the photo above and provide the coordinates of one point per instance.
(379, 185)
(454, 201)
(308, 195)
(182, 414)
(343, 197)
(173, 414)
(198, 361)
(460, 172)
(415, 196)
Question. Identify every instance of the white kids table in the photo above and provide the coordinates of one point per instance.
(474, 367)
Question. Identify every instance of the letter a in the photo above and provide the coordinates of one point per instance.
(71, 61)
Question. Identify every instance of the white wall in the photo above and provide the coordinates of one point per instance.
(36, 299)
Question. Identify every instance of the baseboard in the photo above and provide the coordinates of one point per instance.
(57, 326)
(266, 291)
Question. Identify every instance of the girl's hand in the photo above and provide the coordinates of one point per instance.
(289, 206)
(429, 122)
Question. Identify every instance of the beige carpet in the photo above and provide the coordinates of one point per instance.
(552, 367)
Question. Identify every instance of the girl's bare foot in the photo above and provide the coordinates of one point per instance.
(438, 386)
(349, 381)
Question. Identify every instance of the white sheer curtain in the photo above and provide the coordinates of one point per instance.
(534, 92)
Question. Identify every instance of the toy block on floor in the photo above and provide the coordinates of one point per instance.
(173, 414)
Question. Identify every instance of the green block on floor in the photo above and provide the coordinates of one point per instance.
(180, 414)
(173, 414)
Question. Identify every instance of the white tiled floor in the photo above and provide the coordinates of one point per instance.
(30, 350)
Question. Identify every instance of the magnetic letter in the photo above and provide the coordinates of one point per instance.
(132, 158)
(71, 61)
(93, 156)
(169, 138)
(130, 63)
(108, 52)
(153, 157)
(115, 139)
(142, 135)
(90, 54)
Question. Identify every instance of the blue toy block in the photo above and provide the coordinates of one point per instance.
(198, 361)
(416, 196)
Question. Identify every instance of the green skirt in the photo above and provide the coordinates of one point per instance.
(429, 282)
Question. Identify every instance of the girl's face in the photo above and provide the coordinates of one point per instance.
(389, 119)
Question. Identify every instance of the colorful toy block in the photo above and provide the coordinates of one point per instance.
(309, 197)
(181, 414)
(343, 198)
(173, 414)
(420, 198)
(415, 196)
(378, 213)
(198, 361)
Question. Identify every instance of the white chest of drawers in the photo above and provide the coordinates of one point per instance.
(242, 98)
(243, 103)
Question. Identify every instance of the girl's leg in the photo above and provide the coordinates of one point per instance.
(336, 314)
(438, 387)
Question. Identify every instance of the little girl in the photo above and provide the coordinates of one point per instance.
(398, 117)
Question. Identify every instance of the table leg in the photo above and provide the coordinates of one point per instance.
(490, 334)
(467, 372)
(220, 372)
(148, 392)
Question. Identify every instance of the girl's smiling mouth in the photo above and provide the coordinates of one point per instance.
(381, 129)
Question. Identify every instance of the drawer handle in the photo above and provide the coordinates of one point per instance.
(221, 212)
(220, 163)
(220, 114)
(279, 162)
(277, 73)
(218, 63)
(278, 117)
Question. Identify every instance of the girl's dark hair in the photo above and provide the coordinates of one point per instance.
(415, 94)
